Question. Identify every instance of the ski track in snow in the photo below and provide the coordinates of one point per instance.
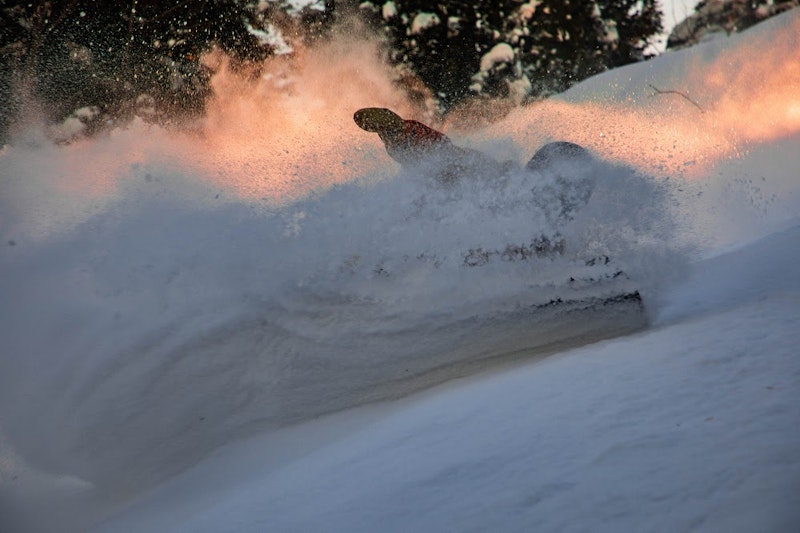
(157, 328)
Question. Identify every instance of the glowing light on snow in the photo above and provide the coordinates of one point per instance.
(756, 91)
(275, 137)
(269, 136)
(291, 130)
(745, 97)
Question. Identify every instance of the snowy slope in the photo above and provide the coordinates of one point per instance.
(161, 332)
(692, 426)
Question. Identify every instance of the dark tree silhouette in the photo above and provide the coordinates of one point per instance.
(511, 47)
(106, 61)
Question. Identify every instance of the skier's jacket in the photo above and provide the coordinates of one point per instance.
(413, 140)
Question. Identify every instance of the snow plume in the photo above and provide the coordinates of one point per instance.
(170, 323)
(290, 130)
(271, 135)
(164, 294)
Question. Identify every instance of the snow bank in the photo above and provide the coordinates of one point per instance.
(172, 323)
(692, 426)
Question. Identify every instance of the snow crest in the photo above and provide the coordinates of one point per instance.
(174, 322)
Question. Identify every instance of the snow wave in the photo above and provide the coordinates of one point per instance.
(169, 321)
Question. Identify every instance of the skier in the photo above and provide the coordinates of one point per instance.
(413, 143)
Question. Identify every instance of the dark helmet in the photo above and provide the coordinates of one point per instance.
(378, 119)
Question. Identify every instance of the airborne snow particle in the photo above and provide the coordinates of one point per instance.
(423, 21)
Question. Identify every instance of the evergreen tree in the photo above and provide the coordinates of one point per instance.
(138, 56)
(512, 47)
(114, 60)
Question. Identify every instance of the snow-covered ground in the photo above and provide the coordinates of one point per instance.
(693, 425)
(178, 359)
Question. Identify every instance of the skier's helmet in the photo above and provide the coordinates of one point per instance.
(378, 119)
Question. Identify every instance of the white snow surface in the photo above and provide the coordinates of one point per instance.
(171, 367)
(693, 425)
